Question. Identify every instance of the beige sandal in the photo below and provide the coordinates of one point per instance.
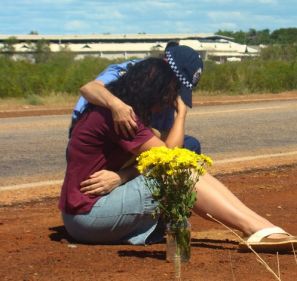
(260, 242)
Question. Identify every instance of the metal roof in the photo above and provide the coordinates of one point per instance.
(111, 37)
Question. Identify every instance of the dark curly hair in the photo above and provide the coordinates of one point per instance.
(148, 83)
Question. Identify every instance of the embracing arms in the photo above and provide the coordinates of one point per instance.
(105, 181)
(123, 115)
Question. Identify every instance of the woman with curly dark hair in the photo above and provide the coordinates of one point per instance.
(141, 91)
(105, 201)
(148, 83)
(123, 215)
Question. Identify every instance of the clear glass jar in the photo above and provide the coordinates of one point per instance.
(178, 241)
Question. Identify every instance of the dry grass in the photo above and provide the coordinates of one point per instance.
(66, 100)
(53, 100)
(259, 258)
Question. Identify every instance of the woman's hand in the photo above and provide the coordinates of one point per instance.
(123, 115)
(124, 119)
(101, 183)
(181, 107)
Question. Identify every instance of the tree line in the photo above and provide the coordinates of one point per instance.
(265, 36)
(273, 71)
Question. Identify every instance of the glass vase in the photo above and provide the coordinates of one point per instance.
(178, 241)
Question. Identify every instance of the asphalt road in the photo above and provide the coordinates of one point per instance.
(34, 147)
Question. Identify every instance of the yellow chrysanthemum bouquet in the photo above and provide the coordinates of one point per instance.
(171, 175)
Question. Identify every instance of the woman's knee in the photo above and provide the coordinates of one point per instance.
(192, 144)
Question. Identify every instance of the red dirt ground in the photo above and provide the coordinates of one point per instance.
(35, 246)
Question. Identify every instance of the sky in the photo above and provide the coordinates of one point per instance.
(58, 17)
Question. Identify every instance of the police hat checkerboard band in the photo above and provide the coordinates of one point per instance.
(196, 76)
(173, 66)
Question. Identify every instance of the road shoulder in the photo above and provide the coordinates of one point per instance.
(39, 110)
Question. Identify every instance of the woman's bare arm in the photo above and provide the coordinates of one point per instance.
(105, 181)
(123, 115)
(175, 137)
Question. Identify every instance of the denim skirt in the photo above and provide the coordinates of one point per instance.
(123, 216)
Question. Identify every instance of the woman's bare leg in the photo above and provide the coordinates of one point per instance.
(214, 198)
(216, 184)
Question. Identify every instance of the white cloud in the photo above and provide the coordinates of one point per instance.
(221, 16)
(40, 2)
(76, 25)
(109, 15)
(150, 16)
(226, 26)
(218, 1)
(234, 2)
(180, 27)
(272, 2)
(268, 2)
(160, 3)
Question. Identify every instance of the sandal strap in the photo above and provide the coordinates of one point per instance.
(259, 235)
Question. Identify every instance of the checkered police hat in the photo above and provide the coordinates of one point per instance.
(187, 65)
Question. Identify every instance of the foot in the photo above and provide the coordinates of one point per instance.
(272, 239)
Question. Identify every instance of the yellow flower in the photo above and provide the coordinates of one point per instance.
(171, 176)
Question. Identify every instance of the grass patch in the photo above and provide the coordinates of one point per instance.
(52, 100)
(33, 100)
(62, 99)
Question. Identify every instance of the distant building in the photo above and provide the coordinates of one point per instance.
(210, 46)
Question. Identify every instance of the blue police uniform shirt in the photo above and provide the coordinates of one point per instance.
(162, 121)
